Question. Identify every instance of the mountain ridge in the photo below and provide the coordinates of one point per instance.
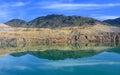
(16, 23)
(114, 22)
(53, 21)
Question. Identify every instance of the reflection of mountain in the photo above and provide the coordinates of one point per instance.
(58, 54)
(57, 51)
(116, 50)
(61, 54)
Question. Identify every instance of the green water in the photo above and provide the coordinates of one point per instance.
(60, 59)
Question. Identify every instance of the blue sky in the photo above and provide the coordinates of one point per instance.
(30, 9)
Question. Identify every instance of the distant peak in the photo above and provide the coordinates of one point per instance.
(115, 22)
(54, 20)
(16, 20)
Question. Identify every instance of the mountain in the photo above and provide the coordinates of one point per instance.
(70, 29)
(61, 21)
(17, 23)
(54, 20)
(115, 22)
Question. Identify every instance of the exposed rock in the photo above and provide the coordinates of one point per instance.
(11, 40)
(4, 26)
(96, 33)
(102, 37)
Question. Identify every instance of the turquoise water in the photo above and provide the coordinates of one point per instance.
(62, 62)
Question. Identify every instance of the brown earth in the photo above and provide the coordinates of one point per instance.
(95, 33)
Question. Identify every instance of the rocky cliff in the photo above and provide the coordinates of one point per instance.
(88, 33)
(102, 37)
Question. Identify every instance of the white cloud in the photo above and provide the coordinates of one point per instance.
(107, 17)
(7, 10)
(5, 14)
(71, 6)
(13, 4)
(104, 17)
(19, 4)
(69, 63)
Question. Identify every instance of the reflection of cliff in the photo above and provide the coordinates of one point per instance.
(59, 46)
(14, 48)
(86, 33)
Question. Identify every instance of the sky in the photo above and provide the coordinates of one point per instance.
(31, 9)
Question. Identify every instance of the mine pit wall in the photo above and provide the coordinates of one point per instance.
(101, 37)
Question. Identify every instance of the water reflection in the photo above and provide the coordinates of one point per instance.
(59, 51)
(60, 59)
(57, 54)
(63, 46)
(61, 54)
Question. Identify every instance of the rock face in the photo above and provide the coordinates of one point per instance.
(109, 37)
(102, 37)
(78, 38)
(5, 28)
(96, 33)
(11, 40)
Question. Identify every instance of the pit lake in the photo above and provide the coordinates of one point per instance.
(60, 59)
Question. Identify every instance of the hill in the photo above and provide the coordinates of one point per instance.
(17, 23)
(115, 22)
(52, 21)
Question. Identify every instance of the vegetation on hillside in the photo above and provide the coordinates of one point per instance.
(59, 54)
(115, 22)
(53, 21)
(17, 23)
